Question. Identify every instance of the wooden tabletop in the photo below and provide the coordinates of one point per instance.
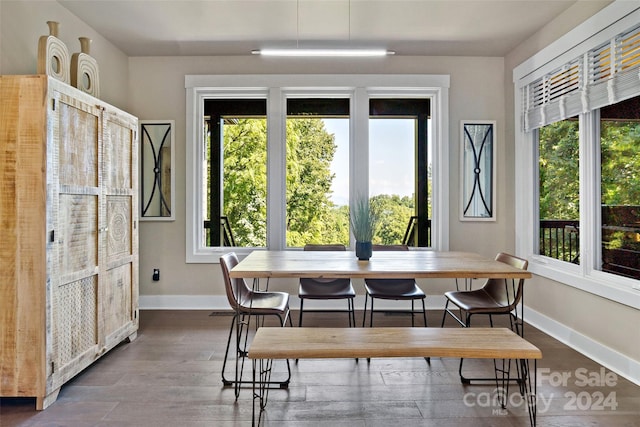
(383, 264)
(300, 343)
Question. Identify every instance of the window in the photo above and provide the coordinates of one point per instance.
(620, 188)
(301, 152)
(317, 171)
(577, 152)
(235, 183)
(399, 170)
(559, 189)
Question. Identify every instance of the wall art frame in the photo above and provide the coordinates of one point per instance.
(157, 167)
(478, 170)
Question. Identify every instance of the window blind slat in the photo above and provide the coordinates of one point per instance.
(610, 74)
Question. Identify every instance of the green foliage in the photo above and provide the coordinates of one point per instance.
(311, 215)
(620, 153)
(310, 211)
(396, 212)
(559, 171)
(364, 219)
(559, 167)
(245, 180)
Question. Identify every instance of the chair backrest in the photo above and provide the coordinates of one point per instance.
(391, 281)
(323, 247)
(390, 247)
(499, 289)
(238, 292)
(318, 247)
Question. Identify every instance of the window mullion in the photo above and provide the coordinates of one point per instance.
(359, 145)
(589, 192)
(276, 169)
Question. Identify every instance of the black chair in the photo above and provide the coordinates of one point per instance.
(327, 289)
(247, 303)
(496, 297)
(393, 289)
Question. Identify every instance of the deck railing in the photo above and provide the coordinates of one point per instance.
(620, 234)
(560, 239)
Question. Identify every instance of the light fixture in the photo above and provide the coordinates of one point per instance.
(321, 52)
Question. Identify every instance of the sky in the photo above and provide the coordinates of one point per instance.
(391, 154)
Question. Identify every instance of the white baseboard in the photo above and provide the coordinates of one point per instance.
(607, 357)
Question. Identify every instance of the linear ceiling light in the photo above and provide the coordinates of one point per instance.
(323, 52)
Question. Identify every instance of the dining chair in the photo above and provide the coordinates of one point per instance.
(496, 297)
(327, 289)
(393, 289)
(248, 303)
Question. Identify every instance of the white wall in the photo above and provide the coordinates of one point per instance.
(599, 328)
(157, 92)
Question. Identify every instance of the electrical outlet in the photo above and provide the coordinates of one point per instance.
(156, 274)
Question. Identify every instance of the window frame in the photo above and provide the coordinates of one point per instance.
(612, 20)
(275, 89)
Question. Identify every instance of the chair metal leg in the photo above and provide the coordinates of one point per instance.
(424, 313)
(300, 315)
(466, 380)
(371, 313)
(364, 313)
(444, 313)
(241, 327)
(353, 311)
(413, 313)
(226, 353)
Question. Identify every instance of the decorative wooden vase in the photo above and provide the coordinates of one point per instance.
(53, 55)
(84, 69)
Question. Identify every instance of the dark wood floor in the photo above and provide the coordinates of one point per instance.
(170, 376)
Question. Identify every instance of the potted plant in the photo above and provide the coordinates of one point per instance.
(364, 222)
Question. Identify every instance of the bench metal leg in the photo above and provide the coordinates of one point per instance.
(527, 385)
(529, 388)
(262, 369)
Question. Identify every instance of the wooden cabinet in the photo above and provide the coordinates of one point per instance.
(69, 249)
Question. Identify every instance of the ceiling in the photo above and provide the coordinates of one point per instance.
(235, 27)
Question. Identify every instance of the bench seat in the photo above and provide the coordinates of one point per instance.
(272, 343)
(319, 343)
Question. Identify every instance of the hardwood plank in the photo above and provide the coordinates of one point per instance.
(158, 372)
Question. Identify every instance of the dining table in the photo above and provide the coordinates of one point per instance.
(268, 264)
(417, 264)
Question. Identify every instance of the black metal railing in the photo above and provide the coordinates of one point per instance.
(620, 234)
(225, 233)
(409, 238)
(560, 239)
(621, 240)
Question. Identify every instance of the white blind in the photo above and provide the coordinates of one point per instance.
(605, 75)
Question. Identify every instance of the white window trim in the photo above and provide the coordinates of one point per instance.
(275, 88)
(610, 21)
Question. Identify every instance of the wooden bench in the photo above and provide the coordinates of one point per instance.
(272, 343)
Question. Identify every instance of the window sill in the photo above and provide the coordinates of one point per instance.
(618, 289)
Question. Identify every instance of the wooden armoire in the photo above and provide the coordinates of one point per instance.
(69, 241)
